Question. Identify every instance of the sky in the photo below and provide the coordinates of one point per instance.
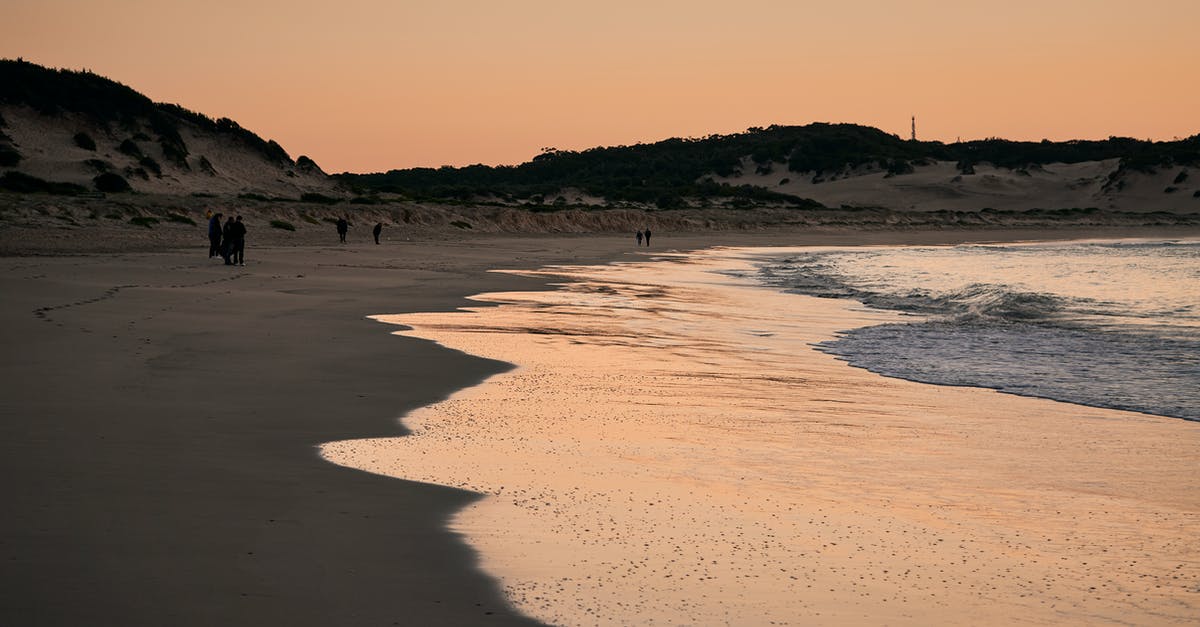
(372, 85)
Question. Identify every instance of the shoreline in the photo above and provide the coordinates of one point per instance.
(158, 440)
(600, 441)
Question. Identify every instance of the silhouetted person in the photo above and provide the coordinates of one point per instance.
(214, 236)
(377, 230)
(227, 241)
(342, 227)
(237, 243)
(639, 238)
(647, 237)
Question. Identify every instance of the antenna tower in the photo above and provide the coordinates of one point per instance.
(914, 128)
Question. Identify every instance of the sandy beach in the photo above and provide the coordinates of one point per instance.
(164, 413)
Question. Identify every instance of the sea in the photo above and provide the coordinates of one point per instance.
(1112, 324)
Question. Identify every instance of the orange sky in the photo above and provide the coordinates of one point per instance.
(369, 85)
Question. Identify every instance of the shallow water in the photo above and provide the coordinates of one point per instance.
(1107, 324)
(672, 449)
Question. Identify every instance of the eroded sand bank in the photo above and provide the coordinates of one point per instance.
(670, 449)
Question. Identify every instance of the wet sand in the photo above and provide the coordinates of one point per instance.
(161, 413)
(672, 450)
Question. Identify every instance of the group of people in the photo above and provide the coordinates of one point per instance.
(343, 226)
(643, 235)
(228, 240)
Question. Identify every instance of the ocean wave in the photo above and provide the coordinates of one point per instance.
(1099, 324)
(977, 302)
(1091, 367)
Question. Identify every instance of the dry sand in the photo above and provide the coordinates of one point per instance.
(161, 414)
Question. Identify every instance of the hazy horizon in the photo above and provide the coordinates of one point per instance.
(366, 85)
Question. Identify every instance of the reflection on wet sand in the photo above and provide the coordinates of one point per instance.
(671, 449)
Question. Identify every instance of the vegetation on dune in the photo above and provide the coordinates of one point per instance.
(305, 164)
(111, 182)
(283, 225)
(108, 102)
(666, 172)
(26, 184)
(669, 174)
(84, 141)
(318, 198)
(130, 147)
(150, 165)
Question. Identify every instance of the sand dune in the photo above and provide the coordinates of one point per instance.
(940, 186)
(48, 151)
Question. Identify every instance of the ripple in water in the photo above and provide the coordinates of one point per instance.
(1105, 325)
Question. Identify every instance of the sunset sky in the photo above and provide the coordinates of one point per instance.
(370, 85)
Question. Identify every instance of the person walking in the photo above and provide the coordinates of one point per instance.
(214, 235)
(647, 236)
(639, 238)
(227, 240)
(377, 231)
(342, 227)
(237, 244)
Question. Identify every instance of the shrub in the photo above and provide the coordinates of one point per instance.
(182, 219)
(130, 148)
(306, 164)
(146, 221)
(1181, 177)
(669, 201)
(309, 219)
(206, 166)
(25, 184)
(9, 158)
(318, 198)
(897, 167)
(99, 165)
(282, 224)
(150, 165)
(175, 152)
(460, 224)
(253, 196)
(85, 141)
(111, 182)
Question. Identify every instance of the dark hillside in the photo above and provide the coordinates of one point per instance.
(107, 102)
(666, 171)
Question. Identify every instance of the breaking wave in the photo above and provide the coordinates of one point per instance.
(1061, 342)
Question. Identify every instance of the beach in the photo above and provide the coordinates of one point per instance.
(164, 418)
(673, 450)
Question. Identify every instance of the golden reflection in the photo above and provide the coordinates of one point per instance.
(671, 449)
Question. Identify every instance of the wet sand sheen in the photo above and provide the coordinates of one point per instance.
(671, 449)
